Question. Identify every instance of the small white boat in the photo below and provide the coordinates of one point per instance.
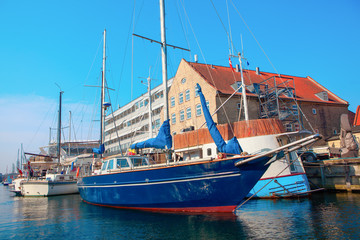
(15, 187)
(52, 185)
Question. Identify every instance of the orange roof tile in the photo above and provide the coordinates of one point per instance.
(221, 78)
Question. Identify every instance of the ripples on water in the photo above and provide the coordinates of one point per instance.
(323, 216)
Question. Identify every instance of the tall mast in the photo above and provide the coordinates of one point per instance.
(150, 108)
(69, 151)
(59, 129)
(243, 89)
(163, 58)
(102, 116)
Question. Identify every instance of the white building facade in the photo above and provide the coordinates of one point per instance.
(130, 123)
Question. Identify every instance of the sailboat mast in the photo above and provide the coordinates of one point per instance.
(243, 90)
(163, 58)
(59, 128)
(102, 116)
(150, 108)
(69, 152)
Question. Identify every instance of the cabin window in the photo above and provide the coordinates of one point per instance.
(104, 165)
(238, 105)
(141, 103)
(173, 118)
(208, 105)
(335, 132)
(188, 113)
(209, 151)
(198, 110)
(182, 116)
(183, 80)
(122, 163)
(187, 95)
(110, 164)
(314, 111)
(181, 98)
(196, 92)
(172, 102)
(139, 162)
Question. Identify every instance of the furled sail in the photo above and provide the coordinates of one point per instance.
(232, 147)
(99, 150)
(161, 141)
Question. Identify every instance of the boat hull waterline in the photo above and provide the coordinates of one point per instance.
(207, 186)
(48, 188)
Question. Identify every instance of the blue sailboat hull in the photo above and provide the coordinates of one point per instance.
(281, 187)
(208, 186)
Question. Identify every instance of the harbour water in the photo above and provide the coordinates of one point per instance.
(323, 216)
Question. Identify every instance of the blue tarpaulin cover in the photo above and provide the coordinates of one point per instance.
(99, 150)
(233, 146)
(161, 141)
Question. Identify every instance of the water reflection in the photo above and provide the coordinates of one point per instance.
(323, 216)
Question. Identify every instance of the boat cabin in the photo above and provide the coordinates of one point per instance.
(59, 177)
(123, 163)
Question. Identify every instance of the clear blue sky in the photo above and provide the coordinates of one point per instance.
(48, 42)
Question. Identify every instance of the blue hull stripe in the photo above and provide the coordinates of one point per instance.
(223, 175)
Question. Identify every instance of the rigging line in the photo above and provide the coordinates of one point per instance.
(51, 108)
(254, 36)
(291, 163)
(231, 52)
(217, 13)
(183, 29)
(257, 41)
(113, 117)
(207, 67)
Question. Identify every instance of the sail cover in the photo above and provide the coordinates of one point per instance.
(161, 141)
(232, 147)
(99, 150)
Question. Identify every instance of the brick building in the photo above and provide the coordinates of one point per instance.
(299, 102)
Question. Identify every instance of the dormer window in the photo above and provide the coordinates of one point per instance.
(237, 86)
(323, 95)
(289, 93)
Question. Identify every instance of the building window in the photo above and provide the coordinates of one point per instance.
(335, 132)
(288, 127)
(188, 113)
(238, 105)
(237, 86)
(181, 98)
(173, 118)
(196, 92)
(172, 102)
(182, 116)
(198, 110)
(187, 95)
(314, 111)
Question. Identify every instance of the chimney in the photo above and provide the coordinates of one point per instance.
(237, 67)
(258, 71)
(195, 58)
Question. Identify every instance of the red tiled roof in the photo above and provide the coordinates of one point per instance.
(221, 78)
(357, 117)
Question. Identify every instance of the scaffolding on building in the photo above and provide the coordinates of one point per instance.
(277, 100)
